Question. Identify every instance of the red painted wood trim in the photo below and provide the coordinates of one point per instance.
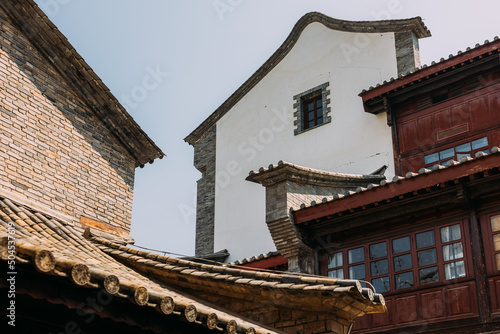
(431, 70)
(266, 263)
(397, 189)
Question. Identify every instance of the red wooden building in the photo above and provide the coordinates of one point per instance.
(429, 239)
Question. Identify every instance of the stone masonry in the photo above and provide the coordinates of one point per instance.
(54, 149)
(204, 161)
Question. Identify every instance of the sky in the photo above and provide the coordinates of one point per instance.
(171, 63)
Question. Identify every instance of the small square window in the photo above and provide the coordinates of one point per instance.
(311, 108)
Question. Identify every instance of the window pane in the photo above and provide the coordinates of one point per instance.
(404, 280)
(402, 262)
(357, 272)
(478, 143)
(356, 255)
(381, 284)
(335, 260)
(311, 124)
(319, 103)
(378, 250)
(319, 120)
(425, 239)
(430, 158)
(464, 148)
(497, 258)
(310, 115)
(427, 257)
(401, 245)
(336, 273)
(428, 275)
(310, 106)
(319, 112)
(448, 153)
(453, 251)
(454, 270)
(496, 242)
(380, 267)
(450, 233)
(495, 223)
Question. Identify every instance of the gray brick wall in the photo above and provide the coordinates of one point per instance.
(53, 149)
(204, 161)
(407, 51)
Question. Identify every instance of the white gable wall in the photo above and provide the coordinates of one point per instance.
(259, 129)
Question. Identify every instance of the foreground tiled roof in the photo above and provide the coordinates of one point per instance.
(345, 298)
(399, 186)
(56, 249)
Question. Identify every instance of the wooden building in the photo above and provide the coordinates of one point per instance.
(428, 239)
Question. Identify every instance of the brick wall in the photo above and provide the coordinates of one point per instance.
(204, 161)
(53, 149)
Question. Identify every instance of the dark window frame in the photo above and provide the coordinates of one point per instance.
(316, 93)
(489, 244)
(416, 268)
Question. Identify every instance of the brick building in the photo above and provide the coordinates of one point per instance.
(68, 152)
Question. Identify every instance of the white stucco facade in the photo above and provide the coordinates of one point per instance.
(259, 129)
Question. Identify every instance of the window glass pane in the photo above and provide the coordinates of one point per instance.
(336, 273)
(426, 257)
(428, 275)
(454, 270)
(404, 280)
(402, 262)
(319, 112)
(450, 233)
(453, 251)
(496, 242)
(378, 250)
(430, 158)
(464, 148)
(311, 124)
(401, 245)
(425, 239)
(319, 120)
(497, 258)
(335, 260)
(356, 255)
(478, 143)
(495, 223)
(381, 284)
(448, 153)
(379, 267)
(310, 106)
(310, 115)
(319, 103)
(357, 272)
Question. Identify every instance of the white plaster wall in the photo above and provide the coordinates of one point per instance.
(259, 130)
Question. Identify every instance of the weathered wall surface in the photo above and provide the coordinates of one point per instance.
(54, 150)
(259, 129)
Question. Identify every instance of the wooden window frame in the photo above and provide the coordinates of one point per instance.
(415, 267)
(489, 251)
(299, 114)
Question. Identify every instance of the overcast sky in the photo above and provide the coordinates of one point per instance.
(171, 63)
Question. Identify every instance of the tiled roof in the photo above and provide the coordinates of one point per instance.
(345, 298)
(469, 165)
(56, 249)
(52, 43)
(442, 65)
(254, 258)
(415, 24)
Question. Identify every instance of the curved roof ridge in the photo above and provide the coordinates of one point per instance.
(414, 24)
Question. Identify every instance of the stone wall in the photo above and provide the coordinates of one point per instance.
(204, 161)
(54, 150)
(407, 51)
